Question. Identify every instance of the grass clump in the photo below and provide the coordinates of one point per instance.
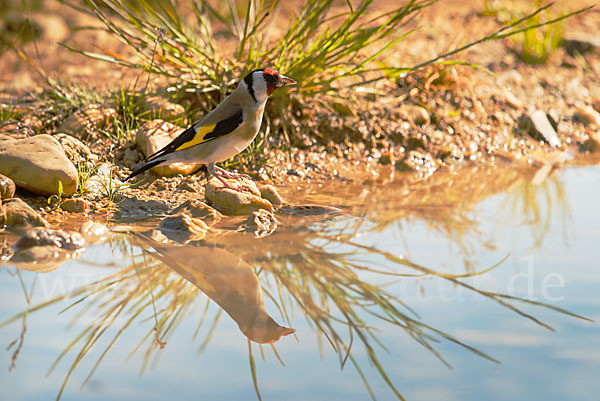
(198, 51)
(532, 46)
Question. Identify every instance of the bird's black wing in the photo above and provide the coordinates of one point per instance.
(199, 133)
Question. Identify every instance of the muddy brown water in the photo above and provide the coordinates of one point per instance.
(475, 285)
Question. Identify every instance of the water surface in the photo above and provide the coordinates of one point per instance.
(458, 289)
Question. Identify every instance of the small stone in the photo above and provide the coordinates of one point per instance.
(130, 157)
(199, 210)
(19, 213)
(417, 161)
(537, 125)
(7, 187)
(580, 43)
(159, 107)
(386, 158)
(103, 182)
(187, 186)
(15, 129)
(511, 100)
(261, 223)
(74, 205)
(54, 28)
(87, 119)
(153, 136)
(183, 228)
(38, 164)
(308, 210)
(511, 77)
(94, 233)
(587, 116)
(269, 193)
(417, 114)
(66, 240)
(75, 150)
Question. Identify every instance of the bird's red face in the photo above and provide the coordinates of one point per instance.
(275, 80)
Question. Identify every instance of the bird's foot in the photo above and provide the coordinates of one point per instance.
(231, 174)
(238, 188)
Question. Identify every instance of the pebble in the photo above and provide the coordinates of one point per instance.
(19, 213)
(308, 210)
(75, 150)
(130, 157)
(159, 107)
(87, 119)
(269, 193)
(417, 114)
(580, 43)
(183, 228)
(586, 115)
(74, 205)
(15, 129)
(38, 164)
(261, 223)
(102, 182)
(7, 187)
(200, 210)
(536, 123)
(153, 136)
(511, 100)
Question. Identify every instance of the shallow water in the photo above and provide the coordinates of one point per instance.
(429, 291)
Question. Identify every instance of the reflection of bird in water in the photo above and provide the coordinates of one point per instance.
(228, 281)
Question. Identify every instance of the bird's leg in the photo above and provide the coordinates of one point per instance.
(212, 171)
(230, 174)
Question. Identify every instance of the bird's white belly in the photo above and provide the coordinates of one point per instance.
(229, 147)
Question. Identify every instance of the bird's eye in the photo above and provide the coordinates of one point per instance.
(270, 78)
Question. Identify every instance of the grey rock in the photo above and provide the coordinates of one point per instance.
(38, 164)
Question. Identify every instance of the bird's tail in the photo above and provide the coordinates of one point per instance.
(145, 167)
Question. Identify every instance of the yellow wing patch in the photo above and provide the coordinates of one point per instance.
(198, 138)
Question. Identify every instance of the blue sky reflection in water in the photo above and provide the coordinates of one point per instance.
(552, 257)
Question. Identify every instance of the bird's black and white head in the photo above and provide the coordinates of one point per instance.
(262, 83)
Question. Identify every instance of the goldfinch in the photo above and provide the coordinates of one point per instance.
(224, 132)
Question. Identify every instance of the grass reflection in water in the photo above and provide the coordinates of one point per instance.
(319, 268)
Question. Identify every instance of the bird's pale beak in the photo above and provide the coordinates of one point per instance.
(286, 81)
